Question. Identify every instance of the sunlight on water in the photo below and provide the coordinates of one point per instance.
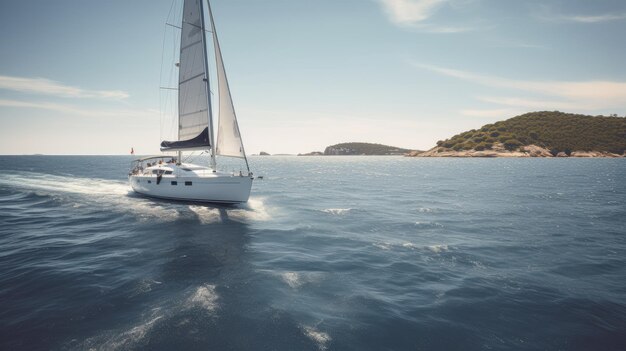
(435, 255)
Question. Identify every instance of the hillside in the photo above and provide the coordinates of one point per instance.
(540, 134)
(363, 149)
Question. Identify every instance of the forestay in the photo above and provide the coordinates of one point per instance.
(229, 141)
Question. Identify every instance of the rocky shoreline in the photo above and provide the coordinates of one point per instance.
(498, 150)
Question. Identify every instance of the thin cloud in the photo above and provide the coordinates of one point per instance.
(49, 87)
(540, 104)
(547, 13)
(516, 44)
(409, 12)
(445, 29)
(78, 111)
(413, 14)
(594, 19)
(491, 113)
(596, 93)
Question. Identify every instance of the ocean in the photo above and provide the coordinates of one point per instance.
(330, 253)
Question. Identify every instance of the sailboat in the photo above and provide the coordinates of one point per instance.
(168, 177)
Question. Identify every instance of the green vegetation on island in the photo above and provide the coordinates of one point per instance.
(364, 149)
(560, 133)
(360, 149)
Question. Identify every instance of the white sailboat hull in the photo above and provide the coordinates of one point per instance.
(216, 188)
(169, 179)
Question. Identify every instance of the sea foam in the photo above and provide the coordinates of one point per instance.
(125, 340)
(320, 338)
(298, 279)
(438, 248)
(81, 192)
(255, 210)
(204, 297)
(337, 211)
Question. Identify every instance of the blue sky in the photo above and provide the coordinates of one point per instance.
(82, 77)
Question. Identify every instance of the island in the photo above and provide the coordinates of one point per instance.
(538, 134)
(365, 149)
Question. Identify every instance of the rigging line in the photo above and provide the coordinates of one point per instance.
(190, 45)
(195, 26)
(166, 106)
(165, 100)
(171, 8)
(190, 79)
(161, 113)
(164, 38)
(218, 55)
(181, 28)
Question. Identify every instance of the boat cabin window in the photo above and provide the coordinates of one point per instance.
(174, 182)
(187, 183)
(149, 182)
(186, 169)
(160, 171)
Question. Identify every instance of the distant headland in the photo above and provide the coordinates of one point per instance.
(360, 149)
(534, 134)
(538, 134)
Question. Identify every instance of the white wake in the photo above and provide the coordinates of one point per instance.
(117, 196)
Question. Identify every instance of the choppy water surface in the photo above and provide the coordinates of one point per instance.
(331, 253)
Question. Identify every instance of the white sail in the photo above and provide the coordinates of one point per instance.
(229, 141)
(193, 101)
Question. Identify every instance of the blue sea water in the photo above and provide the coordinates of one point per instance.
(331, 253)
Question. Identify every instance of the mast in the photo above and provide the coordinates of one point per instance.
(208, 87)
(179, 153)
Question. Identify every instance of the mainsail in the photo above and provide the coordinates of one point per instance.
(194, 111)
(229, 141)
